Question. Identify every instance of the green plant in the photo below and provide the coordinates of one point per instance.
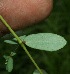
(41, 41)
(9, 61)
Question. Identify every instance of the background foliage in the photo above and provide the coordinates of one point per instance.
(53, 62)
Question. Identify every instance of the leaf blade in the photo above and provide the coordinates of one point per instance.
(37, 72)
(10, 42)
(45, 41)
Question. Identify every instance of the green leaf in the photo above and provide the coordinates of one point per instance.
(9, 62)
(45, 41)
(10, 41)
(14, 39)
(37, 72)
(21, 37)
(9, 65)
(12, 54)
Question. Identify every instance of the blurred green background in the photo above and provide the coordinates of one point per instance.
(52, 62)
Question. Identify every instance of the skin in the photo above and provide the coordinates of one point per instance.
(22, 13)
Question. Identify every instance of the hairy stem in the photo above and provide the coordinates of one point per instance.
(20, 42)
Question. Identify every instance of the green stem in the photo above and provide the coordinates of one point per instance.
(20, 42)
